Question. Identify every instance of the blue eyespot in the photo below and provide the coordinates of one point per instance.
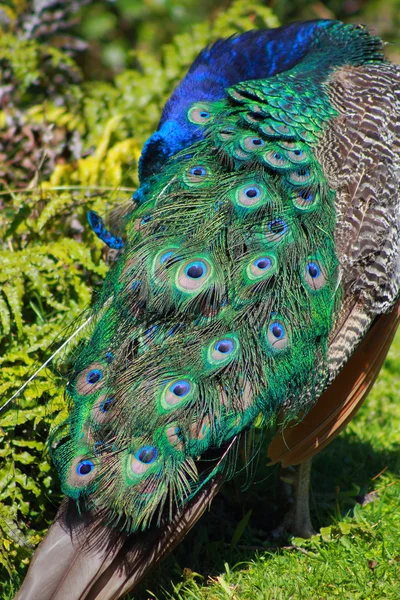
(180, 388)
(94, 376)
(315, 275)
(257, 142)
(198, 171)
(277, 330)
(263, 263)
(198, 115)
(306, 195)
(277, 227)
(298, 152)
(165, 257)
(146, 219)
(301, 176)
(106, 404)
(277, 336)
(252, 192)
(262, 267)
(304, 172)
(277, 156)
(147, 454)
(313, 270)
(109, 357)
(224, 346)
(84, 467)
(196, 270)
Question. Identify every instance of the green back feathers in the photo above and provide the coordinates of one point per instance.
(219, 310)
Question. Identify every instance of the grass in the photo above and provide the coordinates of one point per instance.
(355, 497)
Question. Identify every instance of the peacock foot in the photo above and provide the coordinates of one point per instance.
(295, 523)
(297, 520)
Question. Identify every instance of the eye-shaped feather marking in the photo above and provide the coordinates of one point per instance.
(298, 156)
(252, 143)
(250, 195)
(164, 259)
(304, 199)
(146, 219)
(277, 159)
(166, 256)
(146, 455)
(282, 129)
(277, 334)
(222, 350)
(301, 176)
(200, 114)
(82, 471)
(84, 467)
(314, 275)
(276, 229)
(177, 392)
(91, 379)
(141, 461)
(262, 266)
(267, 130)
(94, 376)
(193, 275)
(102, 410)
(197, 175)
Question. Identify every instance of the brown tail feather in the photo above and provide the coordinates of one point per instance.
(339, 403)
(82, 560)
(138, 556)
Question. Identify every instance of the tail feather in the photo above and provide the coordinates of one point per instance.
(142, 552)
(66, 563)
(84, 560)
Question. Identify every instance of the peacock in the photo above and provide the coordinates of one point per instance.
(257, 284)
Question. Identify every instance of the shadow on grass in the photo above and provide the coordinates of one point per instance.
(342, 474)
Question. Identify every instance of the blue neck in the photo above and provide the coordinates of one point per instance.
(251, 55)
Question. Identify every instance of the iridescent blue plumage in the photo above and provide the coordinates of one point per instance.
(251, 55)
(99, 228)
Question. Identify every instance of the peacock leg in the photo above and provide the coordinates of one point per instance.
(301, 525)
(297, 520)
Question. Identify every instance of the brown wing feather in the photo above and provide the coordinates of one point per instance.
(360, 155)
(339, 403)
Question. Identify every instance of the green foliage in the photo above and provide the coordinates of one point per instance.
(34, 70)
